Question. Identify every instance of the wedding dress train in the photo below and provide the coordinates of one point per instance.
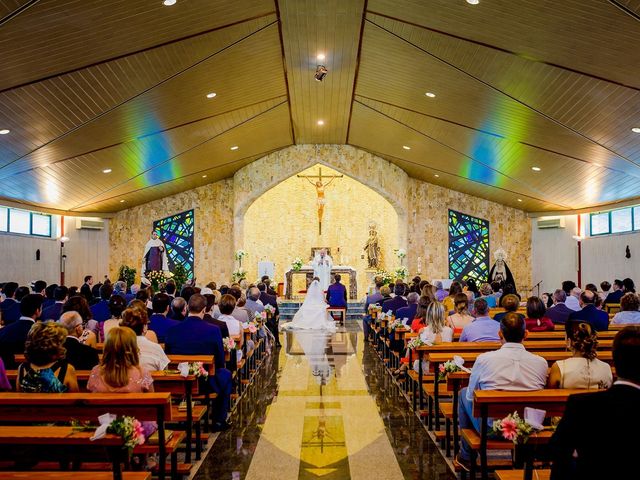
(312, 314)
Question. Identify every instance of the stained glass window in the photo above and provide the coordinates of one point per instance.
(176, 232)
(468, 247)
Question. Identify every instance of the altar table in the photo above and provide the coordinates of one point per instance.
(307, 270)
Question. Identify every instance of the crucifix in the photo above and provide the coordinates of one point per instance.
(320, 191)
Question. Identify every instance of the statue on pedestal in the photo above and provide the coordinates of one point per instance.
(155, 255)
(500, 271)
(372, 248)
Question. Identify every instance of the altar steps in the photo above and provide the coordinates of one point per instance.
(288, 309)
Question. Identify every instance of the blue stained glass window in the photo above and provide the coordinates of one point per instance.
(468, 247)
(176, 232)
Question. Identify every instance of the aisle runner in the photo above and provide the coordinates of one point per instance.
(323, 423)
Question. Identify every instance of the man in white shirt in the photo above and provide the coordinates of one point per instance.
(510, 368)
(152, 356)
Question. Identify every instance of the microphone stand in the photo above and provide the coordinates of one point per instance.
(537, 285)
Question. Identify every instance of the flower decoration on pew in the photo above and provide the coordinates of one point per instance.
(415, 343)
(270, 310)
(374, 310)
(512, 428)
(197, 369)
(446, 368)
(228, 343)
(128, 428)
(395, 324)
(296, 265)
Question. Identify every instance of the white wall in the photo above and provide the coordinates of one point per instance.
(603, 258)
(87, 254)
(554, 254)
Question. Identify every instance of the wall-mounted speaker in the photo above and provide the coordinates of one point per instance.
(37, 255)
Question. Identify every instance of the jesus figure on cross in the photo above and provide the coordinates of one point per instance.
(320, 192)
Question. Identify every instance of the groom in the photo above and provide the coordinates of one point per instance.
(322, 265)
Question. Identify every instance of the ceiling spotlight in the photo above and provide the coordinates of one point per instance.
(634, 130)
(106, 170)
(406, 147)
(519, 199)
(430, 94)
(320, 122)
(121, 201)
(4, 131)
(536, 169)
(437, 176)
(320, 57)
(473, 2)
(235, 147)
(168, 3)
(211, 95)
(321, 72)
(204, 176)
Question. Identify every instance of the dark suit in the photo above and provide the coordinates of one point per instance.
(559, 313)
(81, 356)
(100, 311)
(407, 312)
(614, 297)
(48, 302)
(194, 336)
(598, 319)
(337, 295)
(53, 312)
(160, 324)
(224, 330)
(12, 338)
(394, 304)
(602, 428)
(10, 310)
(272, 323)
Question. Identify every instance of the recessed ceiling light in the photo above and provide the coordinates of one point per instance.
(320, 122)
(634, 130)
(106, 170)
(168, 3)
(4, 131)
(121, 201)
(430, 94)
(437, 176)
(211, 95)
(519, 199)
(536, 169)
(235, 147)
(321, 56)
(406, 147)
(204, 176)
(473, 2)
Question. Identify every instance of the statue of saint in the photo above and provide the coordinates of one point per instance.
(372, 248)
(500, 271)
(155, 255)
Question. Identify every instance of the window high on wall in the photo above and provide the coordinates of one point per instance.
(24, 222)
(621, 220)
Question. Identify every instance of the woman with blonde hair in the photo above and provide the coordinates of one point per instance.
(461, 318)
(436, 329)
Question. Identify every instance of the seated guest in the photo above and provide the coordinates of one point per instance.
(629, 305)
(436, 329)
(152, 356)
(440, 292)
(510, 368)
(628, 286)
(510, 303)
(487, 294)
(267, 281)
(117, 305)
(13, 336)
(100, 310)
(559, 313)
(272, 322)
(186, 292)
(193, 336)
(398, 301)
(385, 291)
(39, 287)
(419, 322)
(54, 311)
(615, 296)
(497, 291)
(140, 305)
(120, 288)
(598, 319)
(45, 369)
(483, 328)
(461, 318)
(508, 289)
(170, 289)
(604, 291)
(449, 301)
(584, 448)
(227, 306)
(337, 293)
(178, 309)
(79, 304)
(583, 370)
(239, 312)
(5, 385)
(10, 308)
(160, 323)
(573, 299)
(49, 296)
(536, 320)
(253, 304)
(95, 293)
(408, 313)
(208, 317)
(81, 356)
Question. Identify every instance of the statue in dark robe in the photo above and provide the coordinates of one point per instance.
(500, 271)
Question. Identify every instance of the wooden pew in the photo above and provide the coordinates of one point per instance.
(75, 475)
(29, 408)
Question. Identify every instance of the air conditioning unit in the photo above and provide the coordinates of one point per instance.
(550, 222)
(89, 224)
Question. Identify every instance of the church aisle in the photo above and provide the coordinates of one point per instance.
(324, 411)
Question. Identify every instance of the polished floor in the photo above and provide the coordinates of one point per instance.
(323, 407)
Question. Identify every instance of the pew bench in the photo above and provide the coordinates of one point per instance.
(76, 475)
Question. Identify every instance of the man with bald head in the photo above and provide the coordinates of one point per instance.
(81, 356)
(253, 305)
(598, 319)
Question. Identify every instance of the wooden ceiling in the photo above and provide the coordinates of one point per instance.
(121, 85)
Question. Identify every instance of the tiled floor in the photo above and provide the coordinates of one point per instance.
(324, 408)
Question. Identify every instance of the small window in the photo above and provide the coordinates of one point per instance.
(4, 212)
(621, 221)
(600, 223)
(636, 218)
(40, 225)
(19, 221)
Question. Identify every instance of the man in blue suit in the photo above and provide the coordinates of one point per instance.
(396, 302)
(100, 310)
(559, 313)
(598, 319)
(194, 336)
(616, 295)
(337, 293)
(410, 310)
(13, 336)
(54, 311)
(10, 307)
(159, 322)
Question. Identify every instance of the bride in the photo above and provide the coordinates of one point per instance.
(313, 312)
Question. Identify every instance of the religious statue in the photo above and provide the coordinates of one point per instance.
(500, 271)
(372, 248)
(155, 255)
(321, 201)
(322, 265)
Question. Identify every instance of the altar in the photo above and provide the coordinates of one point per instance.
(307, 271)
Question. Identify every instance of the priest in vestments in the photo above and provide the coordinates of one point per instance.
(155, 255)
(322, 265)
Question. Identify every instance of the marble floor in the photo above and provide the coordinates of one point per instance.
(323, 407)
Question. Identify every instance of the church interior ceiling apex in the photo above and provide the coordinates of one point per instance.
(107, 104)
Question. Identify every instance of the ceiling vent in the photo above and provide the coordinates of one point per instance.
(89, 224)
(550, 222)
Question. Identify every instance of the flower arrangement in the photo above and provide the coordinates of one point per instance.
(402, 272)
(228, 344)
(197, 369)
(296, 265)
(446, 368)
(512, 428)
(239, 274)
(157, 277)
(128, 428)
(395, 324)
(270, 310)
(386, 277)
(180, 275)
(374, 308)
(127, 274)
(400, 253)
(415, 343)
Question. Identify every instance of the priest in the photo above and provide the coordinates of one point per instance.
(155, 255)
(322, 265)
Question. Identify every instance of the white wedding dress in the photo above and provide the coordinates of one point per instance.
(312, 314)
